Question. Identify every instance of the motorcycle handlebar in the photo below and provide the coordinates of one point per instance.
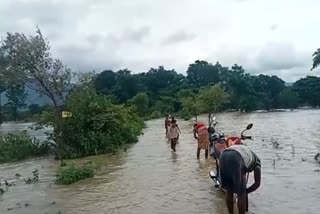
(246, 137)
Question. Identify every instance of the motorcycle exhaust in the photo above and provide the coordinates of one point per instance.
(215, 179)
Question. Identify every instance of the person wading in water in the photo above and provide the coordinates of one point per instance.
(176, 122)
(174, 134)
(200, 133)
(167, 123)
(236, 162)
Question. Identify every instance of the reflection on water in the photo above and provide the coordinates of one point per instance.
(150, 178)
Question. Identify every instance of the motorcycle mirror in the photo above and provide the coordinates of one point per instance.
(249, 126)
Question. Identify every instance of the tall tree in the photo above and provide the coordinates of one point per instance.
(2, 89)
(202, 73)
(308, 90)
(30, 59)
(16, 95)
(141, 102)
(213, 98)
(288, 98)
(316, 59)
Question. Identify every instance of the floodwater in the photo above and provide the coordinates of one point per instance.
(149, 178)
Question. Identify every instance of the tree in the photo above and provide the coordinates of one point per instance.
(308, 90)
(97, 126)
(105, 82)
(2, 89)
(35, 109)
(202, 73)
(16, 99)
(141, 102)
(268, 89)
(191, 105)
(213, 98)
(316, 59)
(30, 59)
(288, 99)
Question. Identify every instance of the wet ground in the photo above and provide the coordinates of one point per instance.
(149, 178)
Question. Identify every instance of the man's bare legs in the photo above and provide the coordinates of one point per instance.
(198, 153)
(206, 153)
(242, 202)
(229, 201)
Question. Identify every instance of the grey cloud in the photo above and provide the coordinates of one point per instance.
(179, 36)
(136, 35)
(280, 56)
(38, 12)
(130, 35)
(274, 27)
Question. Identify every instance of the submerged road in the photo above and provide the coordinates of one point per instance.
(149, 178)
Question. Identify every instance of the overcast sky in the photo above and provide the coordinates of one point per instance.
(265, 36)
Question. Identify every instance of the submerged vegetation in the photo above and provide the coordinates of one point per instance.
(70, 174)
(15, 147)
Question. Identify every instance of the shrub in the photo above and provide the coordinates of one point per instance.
(71, 174)
(155, 115)
(14, 147)
(97, 125)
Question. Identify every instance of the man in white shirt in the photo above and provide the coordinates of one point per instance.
(235, 162)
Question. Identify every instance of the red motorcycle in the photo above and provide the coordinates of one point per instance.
(217, 144)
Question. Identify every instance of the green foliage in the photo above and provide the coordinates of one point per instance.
(97, 126)
(316, 59)
(36, 109)
(288, 99)
(71, 174)
(191, 106)
(141, 102)
(16, 99)
(213, 98)
(202, 73)
(28, 59)
(14, 147)
(308, 90)
(155, 115)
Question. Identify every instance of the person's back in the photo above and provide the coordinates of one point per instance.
(235, 162)
(250, 159)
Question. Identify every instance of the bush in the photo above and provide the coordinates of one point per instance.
(14, 147)
(155, 115)
(97, 126)
(71, 174)
(185, 114)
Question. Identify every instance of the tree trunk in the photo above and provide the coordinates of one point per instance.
(1, 116)
(58, 131)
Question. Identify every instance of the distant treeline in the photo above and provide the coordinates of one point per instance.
(161, 91)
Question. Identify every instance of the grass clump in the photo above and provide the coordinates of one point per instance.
(20, 146)
(71, 174)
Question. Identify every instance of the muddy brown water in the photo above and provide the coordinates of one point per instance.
(149, 178)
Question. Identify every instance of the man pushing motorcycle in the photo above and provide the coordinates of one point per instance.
(235, 163)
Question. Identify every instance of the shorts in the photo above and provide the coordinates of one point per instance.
(232, 171)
